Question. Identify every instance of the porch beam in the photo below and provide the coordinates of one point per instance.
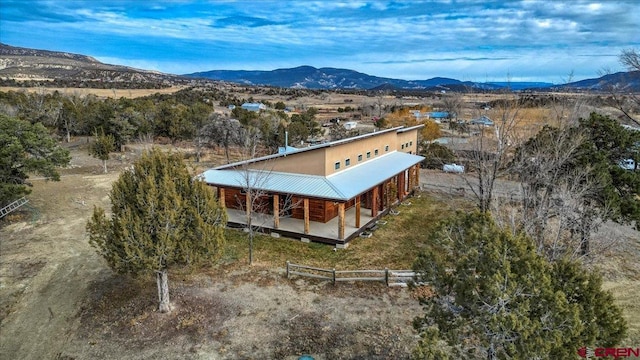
(358, 211)
(221, 198)
(305, 203)
(276, 211)
(341, 221)
(374, 202)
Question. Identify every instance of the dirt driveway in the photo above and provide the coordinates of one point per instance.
(58, 299)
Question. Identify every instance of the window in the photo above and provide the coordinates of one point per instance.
(402, 146)
(360, 157)
(347, 162)
(375, 152)
(386, 148)
(368, 154)
(337, 165)
(410, 143)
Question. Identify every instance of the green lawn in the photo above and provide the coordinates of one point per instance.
(394, 245)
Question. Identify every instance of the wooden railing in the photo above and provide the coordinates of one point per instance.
(387, 276)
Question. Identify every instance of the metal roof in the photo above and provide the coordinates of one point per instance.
(343, 185)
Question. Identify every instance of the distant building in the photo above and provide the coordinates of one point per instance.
(438, 116)
(254, 106)
(483, 120)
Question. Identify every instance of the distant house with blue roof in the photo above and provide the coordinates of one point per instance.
(330, 192)
(438, 116)
(254, 106)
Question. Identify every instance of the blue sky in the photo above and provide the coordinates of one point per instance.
(414, 40)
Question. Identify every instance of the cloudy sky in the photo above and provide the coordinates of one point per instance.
(474, 40)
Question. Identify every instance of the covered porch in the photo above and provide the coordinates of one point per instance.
(328, 233)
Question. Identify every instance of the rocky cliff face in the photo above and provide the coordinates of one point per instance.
(30, 64)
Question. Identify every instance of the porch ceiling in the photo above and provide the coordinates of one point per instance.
(342, 186)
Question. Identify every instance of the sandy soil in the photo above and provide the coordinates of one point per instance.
(59, 300)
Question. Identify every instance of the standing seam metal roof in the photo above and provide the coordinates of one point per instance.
(343, 185)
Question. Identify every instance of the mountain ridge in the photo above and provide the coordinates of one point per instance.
(32, 64)
(21, 64)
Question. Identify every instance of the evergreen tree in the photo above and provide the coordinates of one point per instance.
(494, 297)
(608, 144)
(161, 217)
(26, 149)
(102, 147)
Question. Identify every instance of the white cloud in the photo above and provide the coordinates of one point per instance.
(407, 39)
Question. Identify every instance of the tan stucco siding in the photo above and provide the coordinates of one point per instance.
(384, 143)
(308, 162)
(408, 141)
(322, 161)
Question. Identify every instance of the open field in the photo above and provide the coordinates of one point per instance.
(103, 93)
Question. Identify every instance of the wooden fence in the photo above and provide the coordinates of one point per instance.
(389, 277)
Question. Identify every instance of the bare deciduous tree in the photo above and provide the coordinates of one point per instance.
(490, 153)
(222, 132)
(257, 203)
(452, 103)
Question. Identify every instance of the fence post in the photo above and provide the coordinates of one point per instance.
(334, 276)
(386, 276)
(287, 269)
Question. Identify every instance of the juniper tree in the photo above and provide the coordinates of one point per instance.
(572, 181)
(26, 149)
(493, 297)
(160, 217)
(102, 147)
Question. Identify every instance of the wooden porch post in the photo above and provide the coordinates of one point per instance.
(358, 211)
(417, 175)
(276, 211)
(341, 221)
(305, 203)
(221, 197)
(374, 202)
(400, 185)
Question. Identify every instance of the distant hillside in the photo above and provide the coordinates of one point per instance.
(29, 64)
(324, 78)
(28, 67)
(331, 78)
(628, 81)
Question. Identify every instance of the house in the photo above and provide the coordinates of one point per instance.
(254, 106)
(482, 120)
(439, 116)
(327, 193)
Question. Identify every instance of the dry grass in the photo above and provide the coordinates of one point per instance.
(396, 244)
(626, 294)
(104, 93)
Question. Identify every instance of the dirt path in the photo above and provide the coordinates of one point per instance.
(45, 263)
